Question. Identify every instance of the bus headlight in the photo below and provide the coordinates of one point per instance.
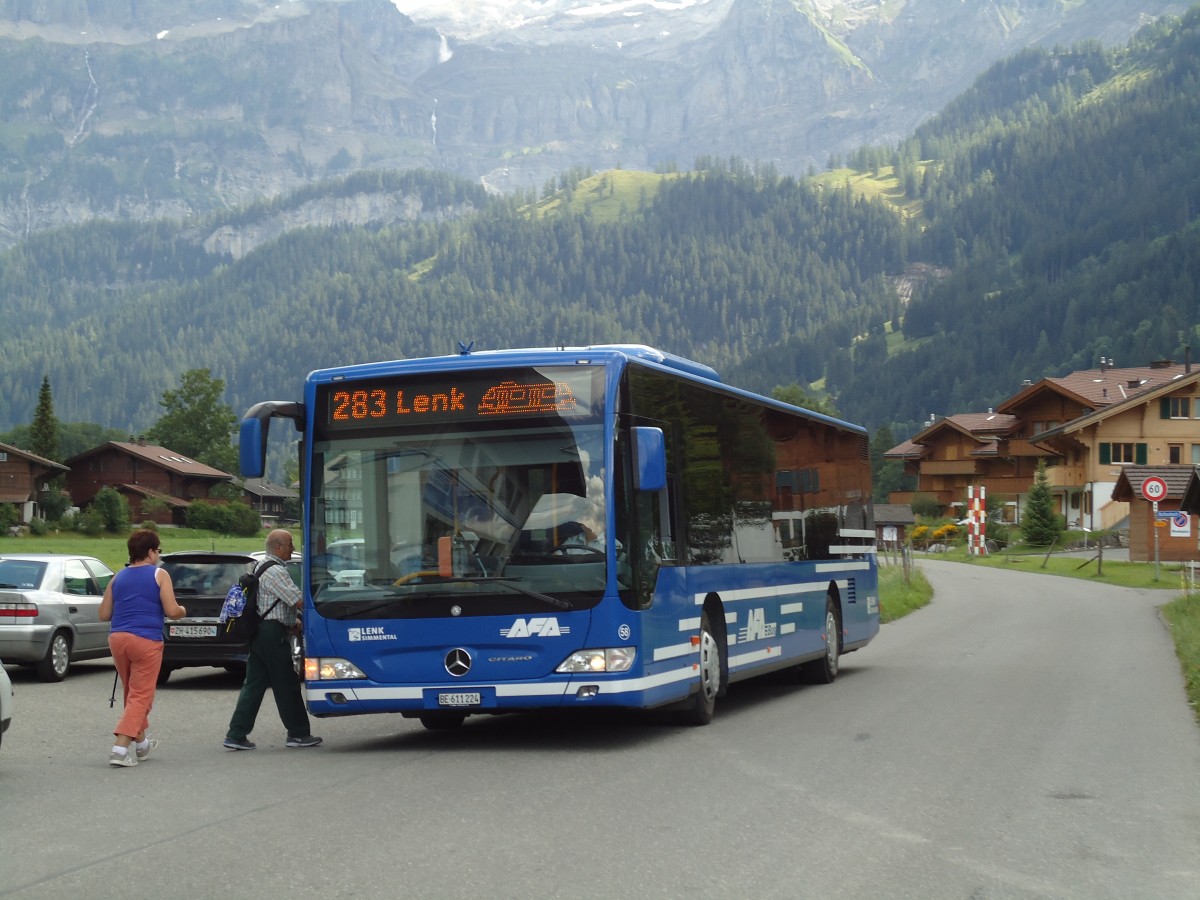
(607, 659)
(327, 668)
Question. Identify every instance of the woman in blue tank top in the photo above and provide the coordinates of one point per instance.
(135, 601)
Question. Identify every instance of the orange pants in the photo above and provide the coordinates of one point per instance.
(138, 660)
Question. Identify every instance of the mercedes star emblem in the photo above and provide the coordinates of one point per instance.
(458, 662)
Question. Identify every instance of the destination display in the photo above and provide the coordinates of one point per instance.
(521, 393)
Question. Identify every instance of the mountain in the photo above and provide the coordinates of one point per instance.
(1046, 217)
(132, 110)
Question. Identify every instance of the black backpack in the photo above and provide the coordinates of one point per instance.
(240, 610)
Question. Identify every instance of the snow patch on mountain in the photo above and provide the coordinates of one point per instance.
(467, 19)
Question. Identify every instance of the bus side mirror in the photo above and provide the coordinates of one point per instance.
(252, 433)
(252, 447)
(650, 459)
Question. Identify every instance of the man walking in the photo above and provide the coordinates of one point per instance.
(270, 660)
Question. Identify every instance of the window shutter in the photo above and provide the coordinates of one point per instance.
(1164, 407)
(1105, 454)
(1139, 454)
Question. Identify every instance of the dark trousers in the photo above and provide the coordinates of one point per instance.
(270, 666)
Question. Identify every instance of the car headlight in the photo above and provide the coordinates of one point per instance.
(606, 659)
(326, 668)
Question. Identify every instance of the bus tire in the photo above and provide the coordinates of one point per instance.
(699, 707)
(442, 721)
(825, 669)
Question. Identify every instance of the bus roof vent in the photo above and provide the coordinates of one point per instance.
(641, 351)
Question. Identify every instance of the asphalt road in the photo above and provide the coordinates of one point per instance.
(1025, 736)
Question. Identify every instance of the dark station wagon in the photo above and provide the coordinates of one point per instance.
(201, 580)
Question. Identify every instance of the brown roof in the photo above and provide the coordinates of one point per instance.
(33, 457)
(1129, 483)
(260, 487)
(146, 492)
(1147, 393)
(983, 427)
(160, 456)
(1097, 388)
(894, 514)
(1104, 386)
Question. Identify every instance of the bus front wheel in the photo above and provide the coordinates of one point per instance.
(698, 708)
(442, 721)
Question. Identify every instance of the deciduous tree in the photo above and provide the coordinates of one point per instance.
(197, 422)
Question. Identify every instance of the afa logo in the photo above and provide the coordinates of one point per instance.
(757, 627)
(537, 627)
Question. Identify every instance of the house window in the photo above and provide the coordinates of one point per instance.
(1175, 454)
(3, 456)
(1122, 453)
(1196, 454)
(1176, 408)
(1039, 427)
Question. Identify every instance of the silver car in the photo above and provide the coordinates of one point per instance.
(49, 611)
(6, 704)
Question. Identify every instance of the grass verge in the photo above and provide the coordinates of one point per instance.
(897, 596)
(113, 550)
(1183, 620)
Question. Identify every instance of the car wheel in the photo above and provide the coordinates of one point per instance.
(54, 665)
(164, 673)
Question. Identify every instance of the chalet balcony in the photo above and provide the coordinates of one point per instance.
(1066, 476)
(1022, 447)
(949, 467)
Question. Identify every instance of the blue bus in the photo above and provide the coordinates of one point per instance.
(606, 526)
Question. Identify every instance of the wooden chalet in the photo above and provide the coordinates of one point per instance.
(268, 500)
(140, 472)
(24, 477)
(1086, 426)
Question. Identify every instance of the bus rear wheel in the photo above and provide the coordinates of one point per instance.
(699, 707)
(825, 669)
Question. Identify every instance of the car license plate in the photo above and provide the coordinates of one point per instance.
(460, 699)
(193, 631)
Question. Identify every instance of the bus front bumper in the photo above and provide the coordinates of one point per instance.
(349, 698)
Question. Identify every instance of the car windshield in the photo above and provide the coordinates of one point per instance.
(21, 574)
(193, 577)
(486, 519)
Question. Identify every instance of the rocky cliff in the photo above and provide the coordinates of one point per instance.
(185, 107)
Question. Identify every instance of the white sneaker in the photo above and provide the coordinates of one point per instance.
(142, 754)
(128, 758)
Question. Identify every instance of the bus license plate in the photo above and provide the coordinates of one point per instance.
(193, 631)
(460, 699)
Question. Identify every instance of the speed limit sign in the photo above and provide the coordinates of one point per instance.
(1154, 489)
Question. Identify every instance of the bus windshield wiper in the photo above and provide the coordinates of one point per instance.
(545, 598)
(556, 602)
(358, 612)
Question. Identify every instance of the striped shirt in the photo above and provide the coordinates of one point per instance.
(276, 584)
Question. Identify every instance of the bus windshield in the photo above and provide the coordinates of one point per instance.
(466, 519)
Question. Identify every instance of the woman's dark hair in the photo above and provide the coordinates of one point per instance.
(141, 542)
